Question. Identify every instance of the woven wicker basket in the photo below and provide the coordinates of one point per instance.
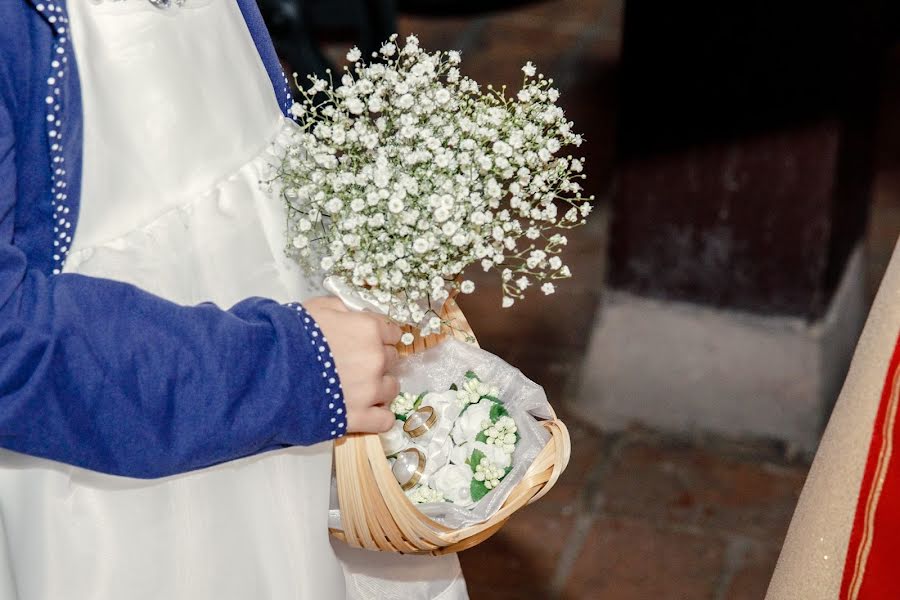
(377, 515)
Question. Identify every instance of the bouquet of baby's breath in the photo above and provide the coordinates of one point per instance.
(408, 172)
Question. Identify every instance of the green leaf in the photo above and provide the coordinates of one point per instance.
(481, 437)
(475, 459)
(419, 400)
(472, 375)
(454, 387)
(506, 472)
(497, 411)
(478, 490)
(400, 417)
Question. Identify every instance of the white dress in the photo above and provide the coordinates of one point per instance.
(180, 123)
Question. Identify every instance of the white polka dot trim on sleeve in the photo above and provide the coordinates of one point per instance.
(334, 395)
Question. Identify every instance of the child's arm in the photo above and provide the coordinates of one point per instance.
(103, 375)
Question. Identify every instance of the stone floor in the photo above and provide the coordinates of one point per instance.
(640, 516)
(637, 515)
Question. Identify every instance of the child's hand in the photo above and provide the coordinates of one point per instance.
(363, 349)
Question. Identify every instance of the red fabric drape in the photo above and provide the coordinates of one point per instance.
(872, 567)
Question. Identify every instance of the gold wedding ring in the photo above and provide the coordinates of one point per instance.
(418, 424)
(417, 474)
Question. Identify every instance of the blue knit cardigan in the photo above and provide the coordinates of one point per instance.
(101, 374)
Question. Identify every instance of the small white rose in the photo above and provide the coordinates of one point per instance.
(454, 482)
(460, 454)
(468, 425)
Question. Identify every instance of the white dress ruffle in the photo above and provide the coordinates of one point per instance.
(180, 126)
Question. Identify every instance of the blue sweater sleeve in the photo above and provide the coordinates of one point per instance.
(105, 376)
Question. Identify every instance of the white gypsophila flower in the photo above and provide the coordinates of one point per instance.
(388, 49)
(467, 287)
(548, 288)
(423, 494)
(408, 160)
(297, 110)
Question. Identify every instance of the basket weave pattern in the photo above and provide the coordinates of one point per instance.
(377, 515)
